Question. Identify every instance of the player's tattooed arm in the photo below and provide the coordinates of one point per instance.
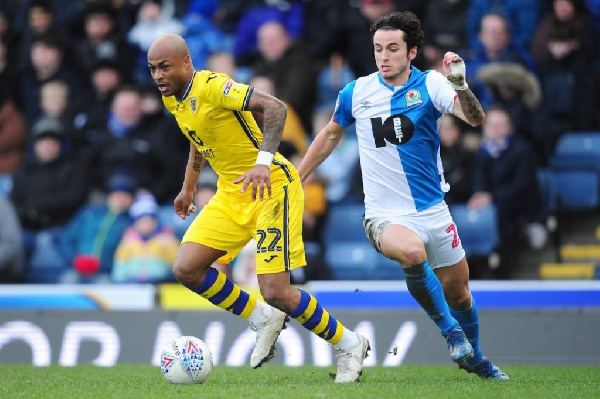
(274, 112)
(193, 169)
(471, 108)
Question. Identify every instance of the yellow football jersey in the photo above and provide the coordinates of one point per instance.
(213, 115)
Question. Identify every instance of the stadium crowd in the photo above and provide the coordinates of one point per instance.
(90, 162)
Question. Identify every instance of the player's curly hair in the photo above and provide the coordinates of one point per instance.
(405, 21)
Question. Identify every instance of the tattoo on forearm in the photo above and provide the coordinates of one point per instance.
(197, 165)
(274, 113)
(470, 105)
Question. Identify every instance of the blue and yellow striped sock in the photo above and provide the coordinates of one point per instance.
(469, 321)
(425, 287)
(222, 292)
(316, 319)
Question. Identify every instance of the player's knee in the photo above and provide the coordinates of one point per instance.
(187, 274)
(413, 256)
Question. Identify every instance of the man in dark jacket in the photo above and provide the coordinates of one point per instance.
(505, 176)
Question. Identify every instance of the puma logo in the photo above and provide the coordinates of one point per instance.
(270, 259)
(210, 78)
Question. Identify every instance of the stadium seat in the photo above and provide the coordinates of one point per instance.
(579, 144)
(477, 229)
(576, 168)
(388, 269)
(352, 260)
(577, 190)
(168, 217)
(345, 223)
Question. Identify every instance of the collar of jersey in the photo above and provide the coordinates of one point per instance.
(394, 88)
(187, 89)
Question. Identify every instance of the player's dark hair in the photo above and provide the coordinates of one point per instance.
(405, 21)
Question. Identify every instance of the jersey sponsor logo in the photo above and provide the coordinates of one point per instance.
(413, 97)
(227, 88)
(398, 129)
(194, 104)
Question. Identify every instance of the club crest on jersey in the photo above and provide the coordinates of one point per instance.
(194, 104)
(413, 97)
(227, 87)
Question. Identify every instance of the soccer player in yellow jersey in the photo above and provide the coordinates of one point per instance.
(259, 196)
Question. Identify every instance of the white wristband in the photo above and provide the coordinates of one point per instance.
(457, 76)
(264, 158)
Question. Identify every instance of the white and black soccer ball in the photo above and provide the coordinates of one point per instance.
(186, 360)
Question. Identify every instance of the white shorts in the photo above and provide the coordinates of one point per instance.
(434, 226)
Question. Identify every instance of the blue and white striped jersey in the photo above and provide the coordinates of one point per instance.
(397, 130)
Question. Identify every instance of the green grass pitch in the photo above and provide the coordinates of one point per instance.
(276, 381)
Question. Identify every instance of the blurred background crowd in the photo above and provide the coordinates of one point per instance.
(90, 162)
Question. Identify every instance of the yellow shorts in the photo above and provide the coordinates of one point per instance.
(275, 224)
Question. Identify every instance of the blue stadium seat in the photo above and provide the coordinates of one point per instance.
(168, 217)
(577, 190)
(579, 144)
(352, 260)
(576, 168)
(477, 229)
(345, 222)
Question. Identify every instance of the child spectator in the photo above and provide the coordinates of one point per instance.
(147, 251)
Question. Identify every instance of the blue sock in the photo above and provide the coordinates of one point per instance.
(469, 321)
(425, 287)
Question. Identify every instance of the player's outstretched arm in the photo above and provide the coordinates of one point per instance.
(466, 106)
(274, 112)
(183, 203)
(320, 148)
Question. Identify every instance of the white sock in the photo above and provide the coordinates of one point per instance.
(349, 340)
(261, 313)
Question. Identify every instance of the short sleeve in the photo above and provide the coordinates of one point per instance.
(221, 90)
(343, 107)
(441, 93)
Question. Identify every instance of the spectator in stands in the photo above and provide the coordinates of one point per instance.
(290, 67)
(8, 34)
(522, 18)
(457, 160)
(504, 175)
(90, 240)
(518, 90)
(494, 45)
(13, 135)
(565, 13)
(354, 37)
(48, 63)
(102, 39)
(52, 186)
(10, 242)
(147, 250)
(40, 21)
(253, 15)
(444, 28)
(54, 104)
(127, 142)
(48, 190)
(570, 98)
(293, 131)
(91, 116)
(154, 18)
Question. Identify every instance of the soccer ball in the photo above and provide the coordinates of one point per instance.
(186, 360)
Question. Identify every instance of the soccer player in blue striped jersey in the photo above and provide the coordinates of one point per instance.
(397, 111)
(259, 195)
